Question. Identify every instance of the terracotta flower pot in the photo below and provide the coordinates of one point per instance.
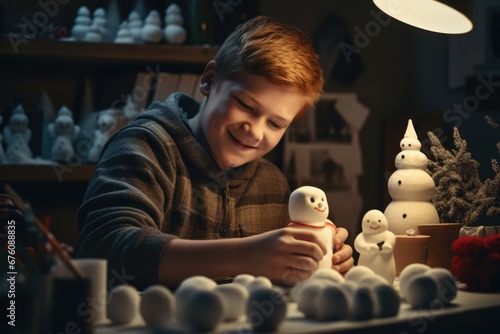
(410, 249)
(442, 237)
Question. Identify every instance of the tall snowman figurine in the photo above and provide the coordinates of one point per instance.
(308, 208)
(375, 245)
(410, 187)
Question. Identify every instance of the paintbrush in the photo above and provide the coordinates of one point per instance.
(65, 257)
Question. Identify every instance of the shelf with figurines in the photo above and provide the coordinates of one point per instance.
(93, 39)
(68, 151)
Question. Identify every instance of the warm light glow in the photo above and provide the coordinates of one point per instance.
(426, 14)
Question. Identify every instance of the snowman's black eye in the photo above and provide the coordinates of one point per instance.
(402, 145)
(404, 215)
(403, 156)
(312, 199)
(399, 182)
(409, 145)
(379, 221)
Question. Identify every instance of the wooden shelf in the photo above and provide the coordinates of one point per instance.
(90, 52)
(52, 173)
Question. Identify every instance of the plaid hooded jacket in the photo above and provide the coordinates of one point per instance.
(155, 182)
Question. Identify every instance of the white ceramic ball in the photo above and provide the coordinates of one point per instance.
(421, 291)
(408, 272)
(266, 309)
(234, 297)
(363, 304)
(369, 280)
(258, 283)
(123, 304)
(306, 298)
(157, 305)
(333, 302)
(243, 279)
(446, 284)
(356, 273)
(198, 281)
(329, 274)
(203, 310)
(387, 300)
(187, 287)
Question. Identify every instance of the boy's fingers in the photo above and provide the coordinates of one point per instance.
(305, 235)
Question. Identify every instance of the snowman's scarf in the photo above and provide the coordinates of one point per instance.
(325, 224)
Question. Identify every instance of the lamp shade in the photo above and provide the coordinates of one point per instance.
(447, 16)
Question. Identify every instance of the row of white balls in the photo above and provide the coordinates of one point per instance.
(360, 295)
(200, 304)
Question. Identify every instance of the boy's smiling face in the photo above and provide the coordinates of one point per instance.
(244, 118)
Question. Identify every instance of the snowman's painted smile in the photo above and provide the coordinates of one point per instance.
(375, 228)
(318, 209)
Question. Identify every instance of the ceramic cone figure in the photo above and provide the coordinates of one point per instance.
(17, 136)
(375, 245)
(82, 23)
(308, 208)
(135, 25)
(410, 187)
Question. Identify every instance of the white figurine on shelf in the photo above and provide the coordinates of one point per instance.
(64, 131)
(375, 245)
(101, 21)
(174, 31)
(17, 136)
(2, 154)
(106, 125)
(131, 110)
(82, 24)
(151, 31)
(94, 34)
(135, 25)
(124, 35)
(308, 208)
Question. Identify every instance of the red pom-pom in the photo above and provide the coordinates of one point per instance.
(477, 262)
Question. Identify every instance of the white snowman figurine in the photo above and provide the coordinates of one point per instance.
(65, 132)
(106, 125)
(17, 136)
(308, 208)
(375, 245)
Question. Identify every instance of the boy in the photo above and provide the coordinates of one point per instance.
(183, 191)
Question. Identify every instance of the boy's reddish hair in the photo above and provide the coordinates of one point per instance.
(281, 53)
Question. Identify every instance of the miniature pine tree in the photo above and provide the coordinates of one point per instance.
(460, 195)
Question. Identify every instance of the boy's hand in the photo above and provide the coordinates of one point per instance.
(285, 255)
(342, 253)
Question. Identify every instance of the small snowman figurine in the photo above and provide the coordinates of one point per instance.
(174, 31)
(17, 137)
(65, 132)
(308, 208)
(151, 31)
(375, 245)
(106, 124)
